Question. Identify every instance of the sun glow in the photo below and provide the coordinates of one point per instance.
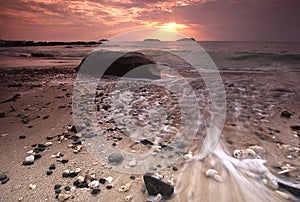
(173, 26)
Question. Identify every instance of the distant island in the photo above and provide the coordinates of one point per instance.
(151, 40)
(187, 39)
(8, 43)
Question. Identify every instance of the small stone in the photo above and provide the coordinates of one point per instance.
(286, 114)
(5, 180)
(128, 198)
(57, 186)
(80, 179)
(21, 137)
(63, 197)
(125, 187)
(29, 159)
(2, 113)
(3, 176)
(175, 168)
(115, 158)
(211, 172)
(49, 172)
(108, 187)
(37, 156)
(295, 127)
(32, 186)
(67, 188)
(132, 163)
(57, 191)
(95, 191)
(47, 144)
(109, 179)
(94, 184)
(52, 167)
(102, 180)
(155, 186)
(132, 177)
(188, 156)
(293, 190)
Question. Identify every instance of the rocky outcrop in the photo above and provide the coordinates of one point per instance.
(132, 64)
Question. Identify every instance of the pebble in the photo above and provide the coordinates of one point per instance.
(95, 191)
(63, 197)
(67, 188)
(52, 167)
(188, 155)
(49, 172)
(214, 174)
(80, 179)
(125, 187)
(132, 163)
(102, 180)
(3, 176)
(32, 186)
(47, 144)
(2, 113)
(57, 191)
(29, 160)
(21, 137)
(286, 114)
(115, 158)
(132, 177)
(108, 187)
(57, 186)
(5, 180)
(128, 198)
(109, 179)
(93, 184)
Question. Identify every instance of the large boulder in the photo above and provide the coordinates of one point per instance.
(132, 64)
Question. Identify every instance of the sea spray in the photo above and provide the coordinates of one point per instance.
(242, 180)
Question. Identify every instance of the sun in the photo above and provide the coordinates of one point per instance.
(173, 26)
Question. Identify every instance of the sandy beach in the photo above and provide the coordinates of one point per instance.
(36, 109)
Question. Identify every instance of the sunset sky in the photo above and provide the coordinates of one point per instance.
(67, 20)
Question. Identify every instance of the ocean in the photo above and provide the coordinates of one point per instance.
(227, 55)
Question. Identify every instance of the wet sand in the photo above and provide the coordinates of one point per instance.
(43, 108)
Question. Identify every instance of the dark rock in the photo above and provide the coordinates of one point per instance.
(155, 186)
(132, 177)
(295, 127)
(122, 65)
(286, 114)
(108, 187)
(27, 163)
(57, 186)
(67, 188)
(57, 191)
(25, 121)
(49, 172)
(33, 145)
(293, 190)
(80, 184)
(2, 113)
(52, 166)
(21, 137)
(175, 168)
(46, 117)
(115, 158)
(41, 146)
(3, 176)
(146, 142)
(102, 180)
(37, 156)
(15, 85)
(40, 55)
(5, 180)
(95, 191)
